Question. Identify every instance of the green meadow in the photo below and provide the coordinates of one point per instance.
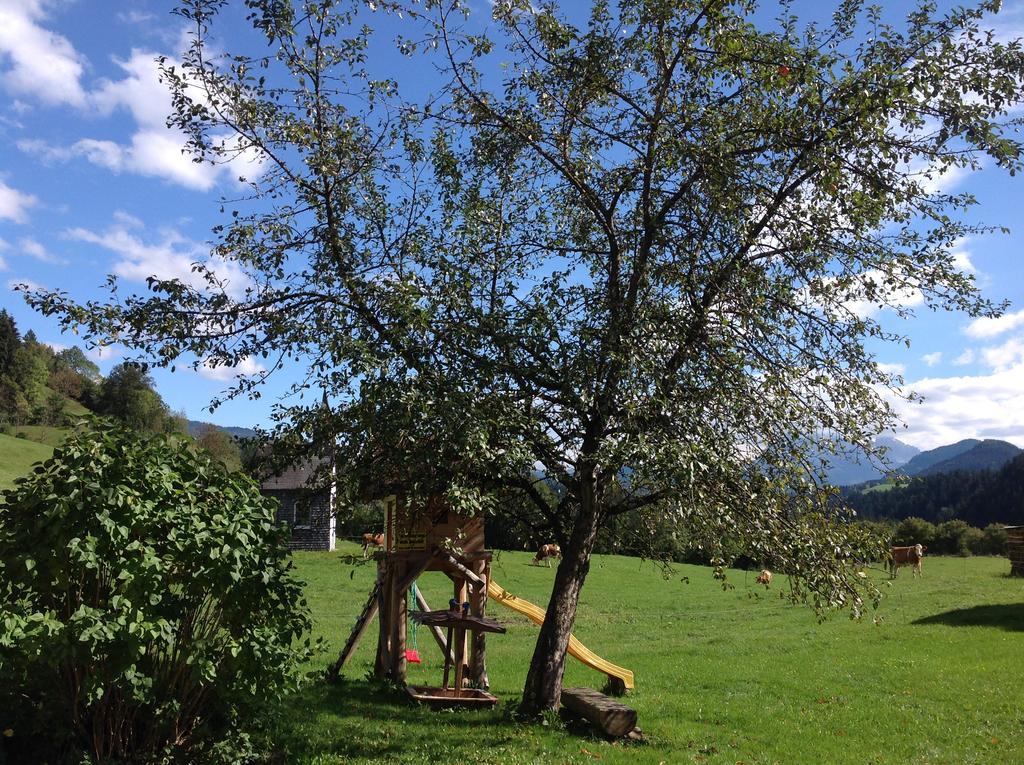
(722, 676)
(17, 455)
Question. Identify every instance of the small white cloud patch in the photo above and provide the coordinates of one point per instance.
(222, 373)
(985, 328)
(14, 204)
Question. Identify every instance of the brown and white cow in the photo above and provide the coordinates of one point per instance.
(372, 540)
(765, 578)
(906, 556)
(546, 553)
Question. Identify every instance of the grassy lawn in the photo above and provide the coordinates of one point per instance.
(17, 455)
(722, 677)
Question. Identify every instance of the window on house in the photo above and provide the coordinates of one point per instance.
(303, 512)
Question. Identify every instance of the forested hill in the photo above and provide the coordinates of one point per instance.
(43, 391)
(924, 460)
(984, 455)
(977, 497)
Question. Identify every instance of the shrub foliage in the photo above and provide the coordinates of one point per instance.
(146, 598)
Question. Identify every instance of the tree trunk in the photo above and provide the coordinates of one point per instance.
(543, 687)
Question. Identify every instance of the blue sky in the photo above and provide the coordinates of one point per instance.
(92, 182)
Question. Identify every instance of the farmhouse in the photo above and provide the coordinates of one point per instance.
(307, 505)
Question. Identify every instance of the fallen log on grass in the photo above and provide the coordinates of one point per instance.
(611, 716)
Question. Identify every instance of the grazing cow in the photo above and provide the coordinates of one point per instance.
(546, 553)
(906, 556)
(372, 540)
(764, 578)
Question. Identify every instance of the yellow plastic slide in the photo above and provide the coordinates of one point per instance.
(576, 649)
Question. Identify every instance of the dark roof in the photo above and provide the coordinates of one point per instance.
(296, 477)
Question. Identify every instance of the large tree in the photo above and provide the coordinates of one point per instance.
(10, 341)
(631, 250)
(127, 394)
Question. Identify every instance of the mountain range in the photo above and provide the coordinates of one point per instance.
(195, 427)
(968, 455)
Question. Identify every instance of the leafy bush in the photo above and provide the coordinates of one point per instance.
(147, 603)
(914, 531)
(951, 538)
(992, 541)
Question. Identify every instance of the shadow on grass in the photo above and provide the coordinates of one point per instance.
(1007, 616)
(356, 720)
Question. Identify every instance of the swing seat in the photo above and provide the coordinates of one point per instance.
(413, 656)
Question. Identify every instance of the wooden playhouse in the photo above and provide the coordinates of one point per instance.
(420, 537)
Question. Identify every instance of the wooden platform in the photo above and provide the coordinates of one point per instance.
(457, 620)
(440, 698)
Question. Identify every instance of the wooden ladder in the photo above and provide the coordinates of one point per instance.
(368, 612)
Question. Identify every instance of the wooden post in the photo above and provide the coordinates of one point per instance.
(399, 611)
(461, 670)
(478, 647)
(382, 663)
(448, 661)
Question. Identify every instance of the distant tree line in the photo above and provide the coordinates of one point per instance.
(954, 537)
(977, 498)
(648, 535)
(37, 383)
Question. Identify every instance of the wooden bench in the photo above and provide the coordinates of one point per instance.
(612, 717)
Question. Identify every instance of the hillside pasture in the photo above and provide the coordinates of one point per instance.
(733, 676)
(17, 455)
(42, 434)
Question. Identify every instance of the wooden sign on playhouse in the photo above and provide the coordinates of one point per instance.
(428, 527)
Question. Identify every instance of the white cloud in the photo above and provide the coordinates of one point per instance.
(154, 149)
(891, 369)
(1001, 357)
(962, 256)
(105, 353)
(154, 153)
(985, 406)
(965, 358)
(931, 359)
(35, 62)
(140, 92)
(248, 366)
(13, 284)
(14, 204)
(34, 249)
(935, 179)
(884, 295)
(135, 17)
(171, 256)
(3, 263)
(985, 328)
(128, 219)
